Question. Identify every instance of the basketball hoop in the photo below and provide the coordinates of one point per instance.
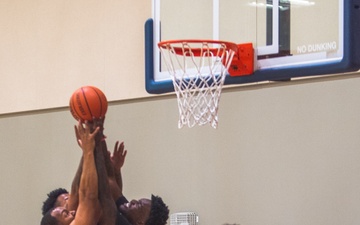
(198, 69)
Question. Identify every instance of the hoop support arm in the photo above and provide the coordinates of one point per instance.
(243, 61)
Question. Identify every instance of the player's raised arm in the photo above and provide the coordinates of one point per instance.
(88, 188)
(118, 159)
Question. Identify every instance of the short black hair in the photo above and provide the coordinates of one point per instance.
(48, 219)
(49, 203)
(159, 212)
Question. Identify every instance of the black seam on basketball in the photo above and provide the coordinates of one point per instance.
(74, 109)
(87, 104)
(101, 106)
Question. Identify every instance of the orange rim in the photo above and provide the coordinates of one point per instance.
(196, 51)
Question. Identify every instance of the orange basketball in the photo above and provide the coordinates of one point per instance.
(88, 102)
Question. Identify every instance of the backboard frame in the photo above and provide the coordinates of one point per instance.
(350, 61)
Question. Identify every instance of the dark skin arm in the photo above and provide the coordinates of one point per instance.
(118, 159)
(107, 203)
(74, 194)
(106, 213)
(73, 201)
(113, 166)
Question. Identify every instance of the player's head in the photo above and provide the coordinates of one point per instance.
(57, 197)
(159, 212)
(48, 219)
(146, 211)
(58, 216)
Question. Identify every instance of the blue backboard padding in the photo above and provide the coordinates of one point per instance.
(349, 63)
(152, 86)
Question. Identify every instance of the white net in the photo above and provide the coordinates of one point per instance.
(198, 70)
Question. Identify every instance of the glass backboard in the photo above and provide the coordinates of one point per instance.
(291, 38)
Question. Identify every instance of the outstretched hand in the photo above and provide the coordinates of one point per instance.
(96, 122)
(118, 156)
(86, 138)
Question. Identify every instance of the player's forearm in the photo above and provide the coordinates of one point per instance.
(89, 179)
(119, 179)
(105, 198)
(101, 171)
(107, 161)
(74, 193)
(76, 181)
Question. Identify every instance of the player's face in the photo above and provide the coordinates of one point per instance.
(62, 200)
(136, 210)
(63, 215)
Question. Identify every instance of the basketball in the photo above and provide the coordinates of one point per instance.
(88, 102)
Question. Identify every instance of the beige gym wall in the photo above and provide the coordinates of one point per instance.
(50, 48)
(284, 153)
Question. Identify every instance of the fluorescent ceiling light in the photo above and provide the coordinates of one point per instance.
(290, 2)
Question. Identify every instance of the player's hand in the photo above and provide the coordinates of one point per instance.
(86, 138)
(118, 156)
